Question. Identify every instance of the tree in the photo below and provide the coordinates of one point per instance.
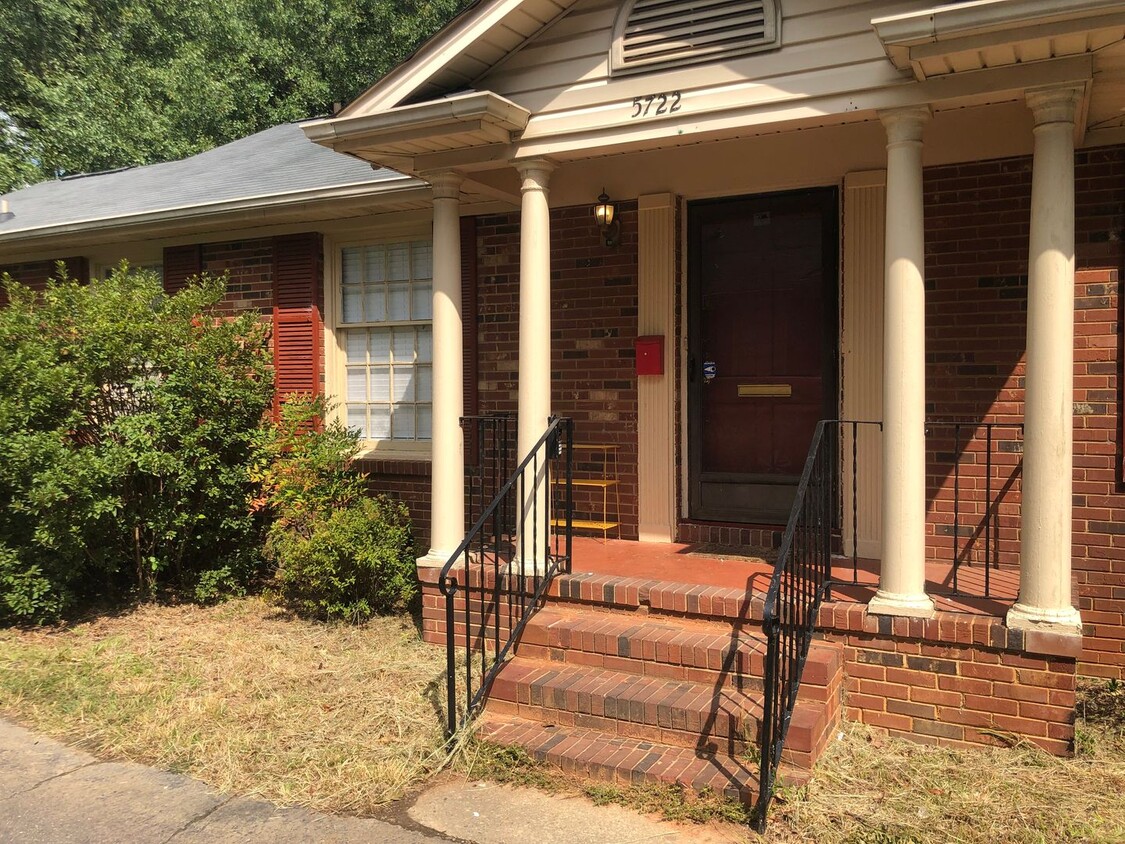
(89, 85)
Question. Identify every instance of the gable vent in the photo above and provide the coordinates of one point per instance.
(652, 33)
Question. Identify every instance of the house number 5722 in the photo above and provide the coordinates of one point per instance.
(651, 105)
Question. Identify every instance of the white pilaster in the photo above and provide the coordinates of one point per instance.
(902, 577)
(447, 491)
(1045, 530)
(534, 405)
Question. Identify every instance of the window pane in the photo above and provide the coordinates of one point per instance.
(404, 421)
(423, 257)
(380, 383)
(357, 418)
(425, 344)
(357, 383)
(356, 345)
(404, 383)
(398, 301)
(423, 307)
(423, 383)
(398, 262)
(351, 265)
(375, 303)
(404, 345)
(380, 345)
(425, 422)
(380, 422)
(353, 303)
(375, 269)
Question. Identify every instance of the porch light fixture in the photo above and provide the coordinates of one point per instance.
(605, 213)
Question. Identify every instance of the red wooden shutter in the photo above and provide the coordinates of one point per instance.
(297, 326)
(180, 264)
(78, 268)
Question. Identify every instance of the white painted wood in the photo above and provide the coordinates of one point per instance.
(656, 314)
(861, 351)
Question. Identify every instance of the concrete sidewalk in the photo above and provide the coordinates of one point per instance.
(53, 794)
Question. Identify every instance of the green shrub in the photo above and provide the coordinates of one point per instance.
(347, 564)
(128, 423)
(340, 554)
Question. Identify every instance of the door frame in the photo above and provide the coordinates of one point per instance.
(828, 200)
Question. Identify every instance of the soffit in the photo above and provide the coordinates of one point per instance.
(998, 33)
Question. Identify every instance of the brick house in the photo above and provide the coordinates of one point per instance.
(909, 219)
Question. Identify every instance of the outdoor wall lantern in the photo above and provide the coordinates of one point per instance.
(605, 214)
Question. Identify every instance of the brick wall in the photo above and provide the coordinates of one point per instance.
(955, 679)
(593, 326)
(977, 219)
(250, 264)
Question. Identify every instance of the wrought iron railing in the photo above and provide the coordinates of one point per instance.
(499, 574)
(801, 581)
(967, 450)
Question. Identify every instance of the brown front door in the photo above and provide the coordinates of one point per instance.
(762, 335)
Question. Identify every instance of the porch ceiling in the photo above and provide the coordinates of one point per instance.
(998, 33)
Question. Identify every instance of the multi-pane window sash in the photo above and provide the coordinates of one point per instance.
(386, 317)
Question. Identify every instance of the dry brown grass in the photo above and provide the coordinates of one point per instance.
(240, 696)
(871, 789)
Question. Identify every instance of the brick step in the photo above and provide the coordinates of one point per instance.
(706, 652)
(623, 760)
(679, 713)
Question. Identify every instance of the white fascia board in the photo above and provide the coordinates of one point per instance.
(431, 58)
(942, 23)
(440, 117)
(387, 191)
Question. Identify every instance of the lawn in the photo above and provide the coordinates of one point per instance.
(345, 719)
(242, 696)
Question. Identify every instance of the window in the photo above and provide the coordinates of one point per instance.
(384, 327)
(650, 34)
(157, 268)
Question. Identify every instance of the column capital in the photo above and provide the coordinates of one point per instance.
(446, 184)
(534, 173)
(1057, 104)
(905, 124)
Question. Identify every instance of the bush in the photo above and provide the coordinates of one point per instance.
(128, 421)
(340, 554)
(347, 564)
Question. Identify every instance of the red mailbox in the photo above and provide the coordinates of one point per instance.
(650, 355)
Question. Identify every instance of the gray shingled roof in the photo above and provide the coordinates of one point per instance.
(276, 161)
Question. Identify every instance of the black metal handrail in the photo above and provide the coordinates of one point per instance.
(801, 581)
(963, 433)
(521, 539)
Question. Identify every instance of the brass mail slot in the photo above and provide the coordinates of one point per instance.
(749, 391)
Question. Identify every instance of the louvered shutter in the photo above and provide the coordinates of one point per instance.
(297, 324)
(180, 264)
(469, 331)
(78, 268)
(655, 32)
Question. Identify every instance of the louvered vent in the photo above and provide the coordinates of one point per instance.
(665, 32)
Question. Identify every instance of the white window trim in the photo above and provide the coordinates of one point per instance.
(335, 356)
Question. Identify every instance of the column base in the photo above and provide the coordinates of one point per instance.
(894, 603)
(1023, 617)
(433, 558)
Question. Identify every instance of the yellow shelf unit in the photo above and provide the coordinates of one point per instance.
(605, 483)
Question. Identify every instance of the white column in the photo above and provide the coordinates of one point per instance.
(902, 576)
(534, 406)
(447, 491)
(1045, 530)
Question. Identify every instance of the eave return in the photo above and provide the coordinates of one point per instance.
(650, 34)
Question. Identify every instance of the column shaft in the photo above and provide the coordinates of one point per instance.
(534, 353)
(1045, 539)
(447, 493)
(902, 578)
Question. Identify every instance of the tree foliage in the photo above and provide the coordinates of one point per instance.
(89, 85)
